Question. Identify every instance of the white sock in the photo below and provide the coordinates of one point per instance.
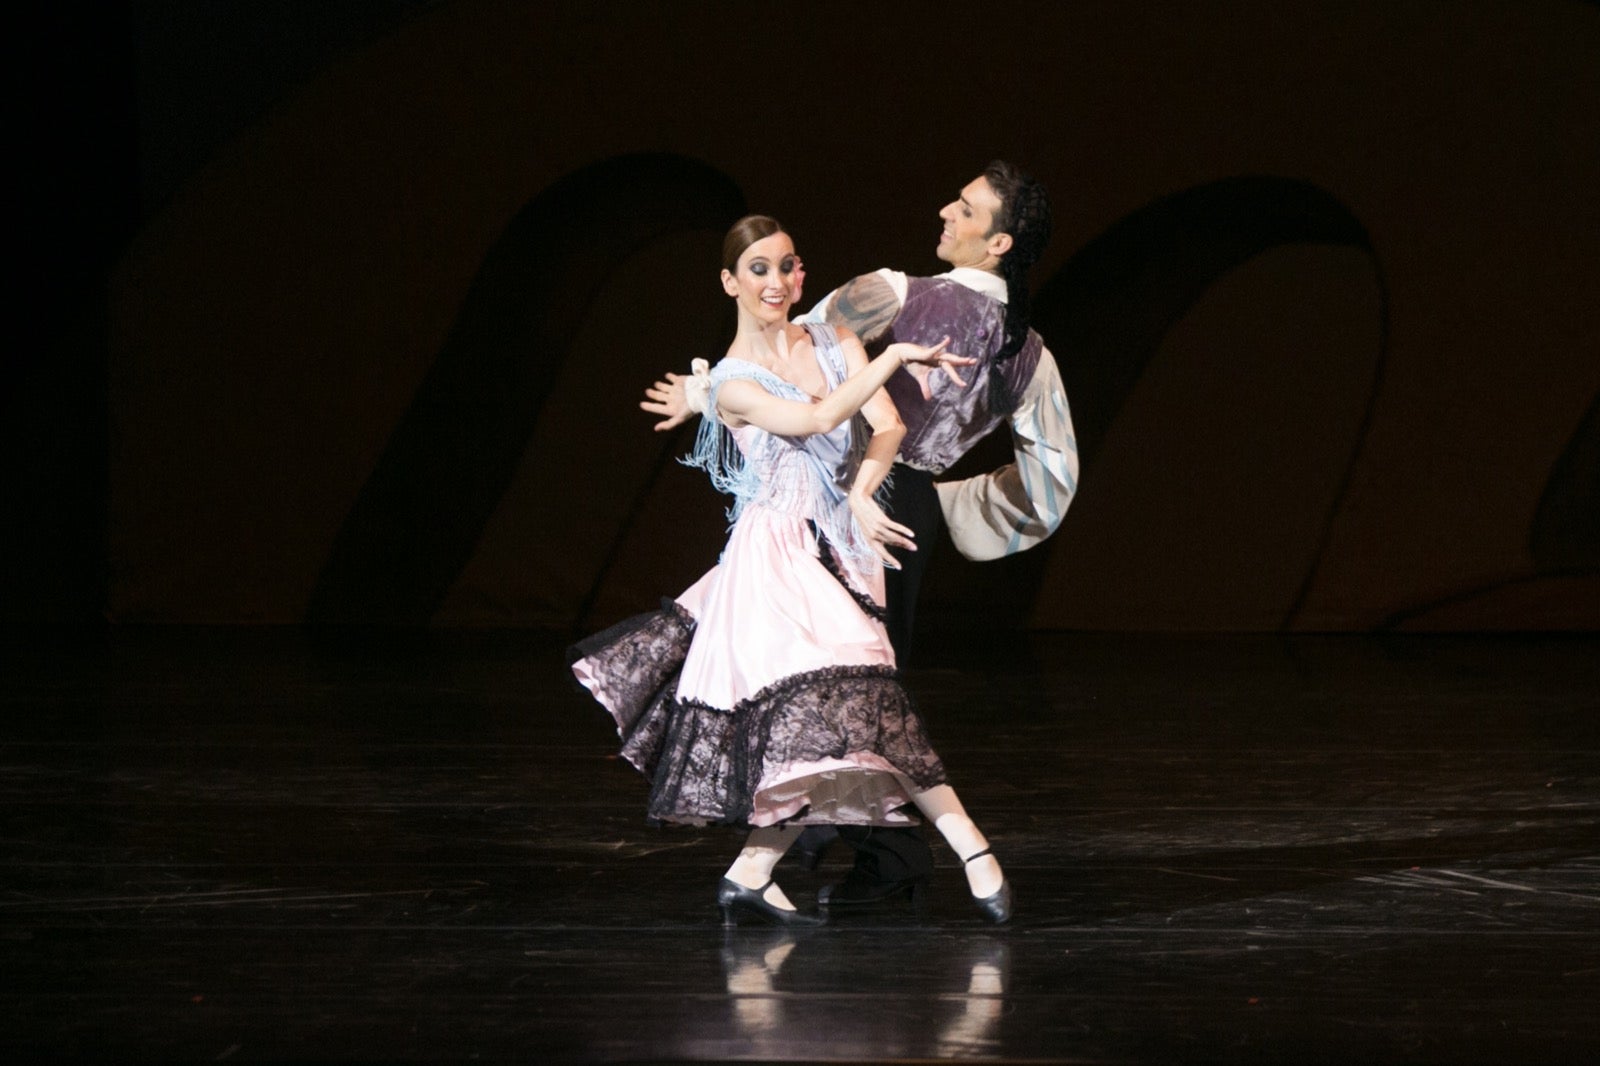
(943, 808)
(754, 865)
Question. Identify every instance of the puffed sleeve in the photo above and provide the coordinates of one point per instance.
(1020, 504)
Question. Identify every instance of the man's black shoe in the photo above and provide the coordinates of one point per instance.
(814, 840)
(852, 893)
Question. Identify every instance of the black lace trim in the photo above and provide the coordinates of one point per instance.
(597, 642)
(711, 759)
(639, 661)
(830, 563)
(783, 687)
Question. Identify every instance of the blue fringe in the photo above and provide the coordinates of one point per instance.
(831, 461)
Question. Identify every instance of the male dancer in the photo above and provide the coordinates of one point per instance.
(994, 232)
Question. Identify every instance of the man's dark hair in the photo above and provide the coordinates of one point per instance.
(1025, 214)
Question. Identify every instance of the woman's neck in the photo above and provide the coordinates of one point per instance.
(764, 343)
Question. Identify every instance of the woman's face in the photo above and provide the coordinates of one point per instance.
(764, 280)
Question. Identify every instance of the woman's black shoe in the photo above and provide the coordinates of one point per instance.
(852, 892)
(733, 897)
(997, 907)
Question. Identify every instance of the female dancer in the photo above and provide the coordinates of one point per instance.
(767, 694)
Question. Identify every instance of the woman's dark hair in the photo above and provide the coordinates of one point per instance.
(745, 232)
(1025, 214)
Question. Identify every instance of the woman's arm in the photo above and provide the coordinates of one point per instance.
(741, 402)
(887, 433)
(866, 306)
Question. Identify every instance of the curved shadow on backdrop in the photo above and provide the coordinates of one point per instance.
(1563, 541)
(1566, 527)
(1107, 310)
(417, 520)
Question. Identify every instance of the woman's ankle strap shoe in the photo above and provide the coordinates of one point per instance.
(996, 907)
(733, 898)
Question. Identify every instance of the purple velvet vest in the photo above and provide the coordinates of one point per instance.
(941, 430)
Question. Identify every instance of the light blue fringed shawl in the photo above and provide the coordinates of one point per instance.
(805, 476)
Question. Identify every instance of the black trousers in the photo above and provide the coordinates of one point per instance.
(885, 854)
(913, 501)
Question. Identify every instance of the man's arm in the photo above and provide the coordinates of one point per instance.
(1022, 503)
(865, 305)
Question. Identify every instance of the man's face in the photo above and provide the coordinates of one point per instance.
(966, 240)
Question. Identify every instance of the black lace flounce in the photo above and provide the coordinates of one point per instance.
(639, 660)
(704, 763)
(712, 759)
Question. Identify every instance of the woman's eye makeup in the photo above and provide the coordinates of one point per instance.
(787, 266)
(758, 269)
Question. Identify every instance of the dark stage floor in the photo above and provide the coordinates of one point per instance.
(228, 845)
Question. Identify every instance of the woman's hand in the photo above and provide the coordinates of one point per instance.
(921, 361)
(667, 398)
(881, 532)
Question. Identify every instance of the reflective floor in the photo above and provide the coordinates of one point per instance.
(247, 845)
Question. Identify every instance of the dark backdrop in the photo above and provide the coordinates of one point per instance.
(342, 311)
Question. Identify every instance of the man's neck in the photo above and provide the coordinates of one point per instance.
(977, 279)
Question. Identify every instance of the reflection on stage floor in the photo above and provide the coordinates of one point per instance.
(247, 845)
